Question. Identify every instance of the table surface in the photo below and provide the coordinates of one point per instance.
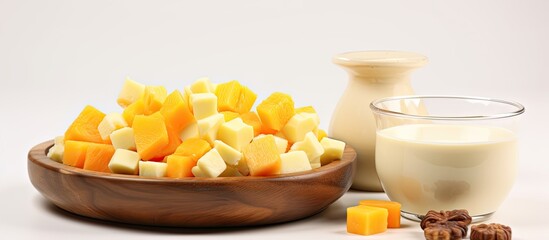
(57, 56)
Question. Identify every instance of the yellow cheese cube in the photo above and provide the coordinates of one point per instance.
(153, 98)
(123, 138)
(299, 125)
(306, 109)
(320, 134)
(111, 122)
(202, 85)
(236, 133)
(246, 100)
(281, 143)
(131, 91)
(124, 162)
(231, 171)
(333, 150)
(294, 162)
(242, 167)
(210, 165)
(315, 164)
(314, 116)
(56, 152)
(197, 172)
(230, 155)
(366, 220)
(276, 110)
(59, 140)
(208, 127)
(311, 146)
(152, 169)
(204, 105)
(191, 131)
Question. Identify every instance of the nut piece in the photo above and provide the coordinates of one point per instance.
(446, 225)
(492, 231)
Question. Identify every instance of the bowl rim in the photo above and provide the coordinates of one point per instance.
(376, 109)
(38, 156)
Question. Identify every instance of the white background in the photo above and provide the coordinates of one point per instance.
(57, 56)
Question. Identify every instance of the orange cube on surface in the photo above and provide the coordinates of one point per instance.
(84, 127)
(151, 136)
(194, 148)
(252, 119)
(179, 166)
(75, 153)
(262, 156)
(393, 208)
(276, 110)
(366, 220)
(176, 112)
(98, 157)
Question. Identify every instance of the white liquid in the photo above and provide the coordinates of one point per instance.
(445, 167)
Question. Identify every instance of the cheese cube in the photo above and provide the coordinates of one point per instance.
(262, 156)
(211, 164)
(299, 125)
(231, 171)
(281, 143)
(179, 166)
(230, 155)
(294, 162)
(197, 172)
(153, 98)
(236, 133)
(333, 150)
(208, 127)
(315, 165)
(131, 91)
(124, 162)
(202, 85)
(56, 152)
(242, 167)
(59, 140)
(123, 138)
(204, 105)
(365, 220)
(276, 110)
(393, 209)
(311, 146)
(111, 122)
(314, 116)
(320, 134)
(152, 169)
(191, 131)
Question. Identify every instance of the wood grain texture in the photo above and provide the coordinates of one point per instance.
(190, 202)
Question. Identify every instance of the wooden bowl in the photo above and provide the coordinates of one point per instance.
(190, 202)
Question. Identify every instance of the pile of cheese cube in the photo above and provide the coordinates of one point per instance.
(206, 130)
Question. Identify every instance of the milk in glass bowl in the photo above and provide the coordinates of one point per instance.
(446, 152)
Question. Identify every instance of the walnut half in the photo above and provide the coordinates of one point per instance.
(446, 225)
(492, 231)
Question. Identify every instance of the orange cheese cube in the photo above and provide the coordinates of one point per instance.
(176, 112)
(246, 100)
(84, 127)
(153, 98)
(227, 95)
(276, 110)
(366, 220)
(194, 148)
(98, 157)
(151, 136)
(136, 108)
(393, 208)
(252, 119)
(179, 166)
(173, 142)
(262, 156)
(75, 153)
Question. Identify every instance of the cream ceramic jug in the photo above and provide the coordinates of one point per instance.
(372, 75)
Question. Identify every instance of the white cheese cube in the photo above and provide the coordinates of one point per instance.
(124, 162)
(281, 143)
(242, 167)
(204, 105)
(298, 126)
(111, 122)
(230, 171)
(152, 169)
(208, 127)
(131, 91)
(333, 150)
(311, 146)
(230, 155)
(197, 172)
(59, 140)
(315, 165)
(191, 131)
(295, 161)
(56, 152)
(314, 116)
(202, 85)
(211, 164)
(123, 138)
(236, 133)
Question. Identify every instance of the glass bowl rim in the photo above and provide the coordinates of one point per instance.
(519, 108)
